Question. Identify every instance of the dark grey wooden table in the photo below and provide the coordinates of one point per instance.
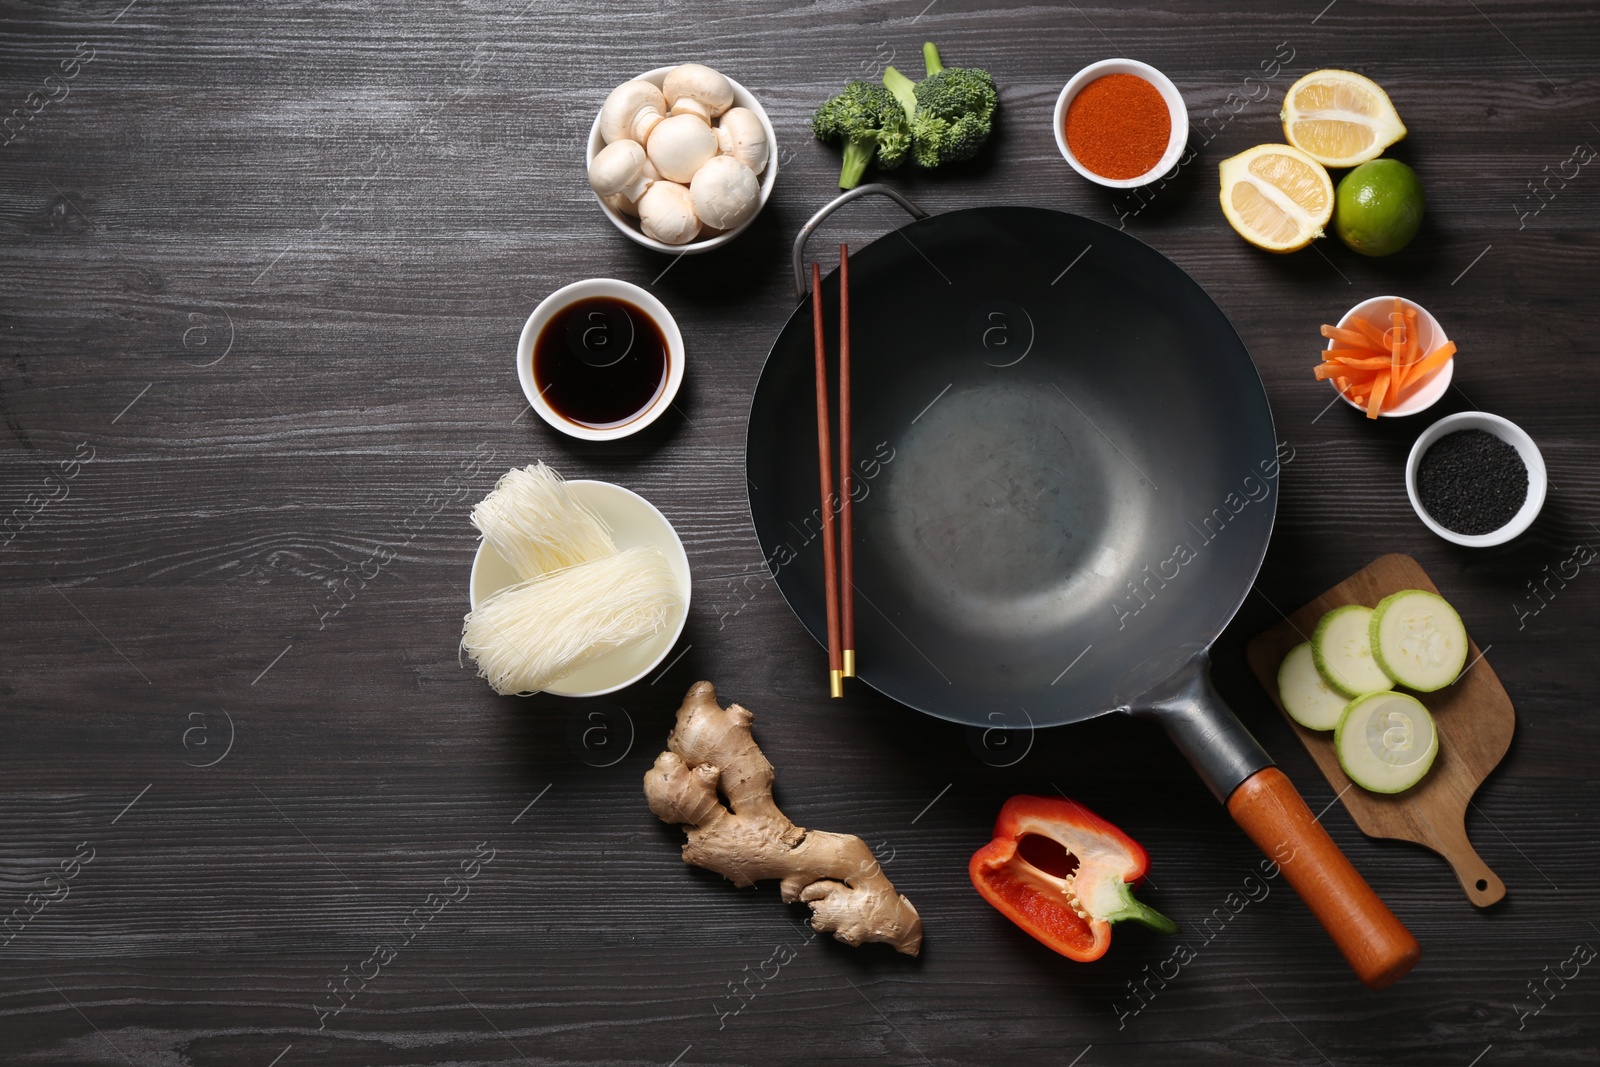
(264, 270)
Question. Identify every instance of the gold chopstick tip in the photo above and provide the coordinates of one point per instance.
(836, 684)
(849, 663)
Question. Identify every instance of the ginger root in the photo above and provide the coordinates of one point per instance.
(711, 748)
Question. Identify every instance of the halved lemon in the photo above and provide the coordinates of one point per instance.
(1339, 118)
(1277, 197)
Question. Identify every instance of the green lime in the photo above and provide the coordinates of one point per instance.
(1378, 207)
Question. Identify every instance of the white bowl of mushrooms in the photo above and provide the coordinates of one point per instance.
(682, 158)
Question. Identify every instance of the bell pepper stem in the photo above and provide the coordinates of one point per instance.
(1139, 912)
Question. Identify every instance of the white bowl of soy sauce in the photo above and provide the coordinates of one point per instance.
(600, 359)
(1476, 479)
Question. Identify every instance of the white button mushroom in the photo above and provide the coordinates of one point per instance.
(621, 168)
(666, 213)
(621, 205)
(741, 135)
(631, 112)
(725, 193)
(679, 145)
(696, 89)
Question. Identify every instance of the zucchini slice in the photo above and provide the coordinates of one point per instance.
(1418, 640)
(1308, 699)
(1341, 646)
(1386, 741)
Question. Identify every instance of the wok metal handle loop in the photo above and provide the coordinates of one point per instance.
(828, 209)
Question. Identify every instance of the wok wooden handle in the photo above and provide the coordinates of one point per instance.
(1375, 943)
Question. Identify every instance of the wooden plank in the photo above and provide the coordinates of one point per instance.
(142, 220)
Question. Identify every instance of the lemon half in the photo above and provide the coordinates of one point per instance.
(1339, 118)
(1276, 197)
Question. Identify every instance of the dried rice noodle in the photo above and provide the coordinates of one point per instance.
(538, 525)
(534, 633)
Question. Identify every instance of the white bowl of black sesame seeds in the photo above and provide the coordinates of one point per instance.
(1476, 479)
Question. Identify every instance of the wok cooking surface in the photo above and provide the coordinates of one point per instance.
(1065, 464)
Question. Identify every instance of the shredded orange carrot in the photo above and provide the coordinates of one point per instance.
(1396, 336)
(1348, 337)
(1380, 386)
(1368, 330)
(1374, 367)
(1435, 359)
(1325, 371)
(1404, 378)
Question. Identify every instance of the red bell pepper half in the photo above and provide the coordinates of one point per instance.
(1064, 875)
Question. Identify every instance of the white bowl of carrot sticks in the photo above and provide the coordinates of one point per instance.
(1388, 356)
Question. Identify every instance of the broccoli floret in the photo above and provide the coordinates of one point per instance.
(867, 120)
(939, 142)
(903, 89)
(951, 111)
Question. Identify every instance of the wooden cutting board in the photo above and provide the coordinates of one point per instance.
(1474, 717)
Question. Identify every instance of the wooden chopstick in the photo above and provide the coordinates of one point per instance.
(847, 567)
(830, 564)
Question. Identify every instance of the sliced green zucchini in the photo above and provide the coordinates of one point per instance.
(1386, 741)
(1418, 640)
(1342, 650)
(1306, 697)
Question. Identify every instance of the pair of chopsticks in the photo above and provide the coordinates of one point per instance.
(838, 568)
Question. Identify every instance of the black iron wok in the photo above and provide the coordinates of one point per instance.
(1066, 478)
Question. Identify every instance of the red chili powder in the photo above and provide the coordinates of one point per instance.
(1118, 126)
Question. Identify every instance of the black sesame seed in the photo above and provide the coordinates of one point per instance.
(1472, 482)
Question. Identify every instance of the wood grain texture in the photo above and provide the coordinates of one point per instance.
(1474, 717)
(300, 241)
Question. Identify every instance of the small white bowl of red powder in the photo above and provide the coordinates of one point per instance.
(1121, 123)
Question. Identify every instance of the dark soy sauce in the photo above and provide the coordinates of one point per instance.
(600, 362)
